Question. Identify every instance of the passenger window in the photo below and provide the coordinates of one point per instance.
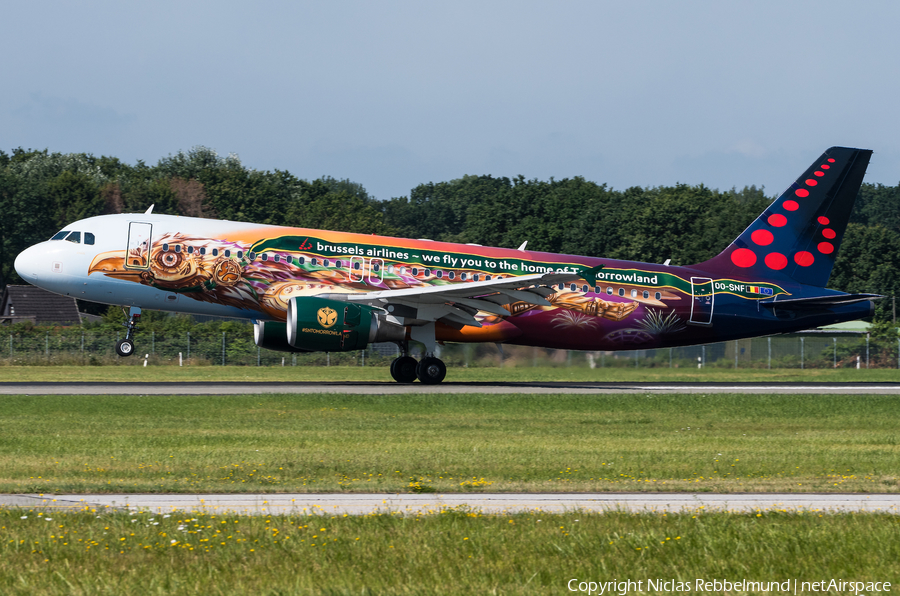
(88, 238)
(440, 274)
(427, 272)
(585, 288)
(357, 265)
(327, 263)
(657, 295)
(202, 250)
(227, 254)
(74, 237)
(240, 255)
(314, 262)
(621, 291)
(177, 248)
(573, 287)
(609, 290)
(646, 294)
(487, 278)
(60, 235)
(462, 276)
(263, 256)
(415, 271)
(190, 250)
(301, 260)
(250, 255)
(634, 293)
(475, 277)
(215, 252)
(596, 289)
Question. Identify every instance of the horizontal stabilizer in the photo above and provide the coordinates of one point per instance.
(819, 301)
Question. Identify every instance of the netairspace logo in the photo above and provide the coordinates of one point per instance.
(790, 586)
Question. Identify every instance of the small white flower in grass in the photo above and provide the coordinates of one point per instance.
(167, 515)
(174, 541)
(48, 519)
(24, 517)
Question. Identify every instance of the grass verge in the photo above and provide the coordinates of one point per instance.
(113, 374)
(449, 443)
(449, 552)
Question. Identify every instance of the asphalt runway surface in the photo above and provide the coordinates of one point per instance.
(489, 503)
(389, 388)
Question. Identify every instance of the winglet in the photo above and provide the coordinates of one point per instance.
(590, 275)
(150, 210)
(523, 245)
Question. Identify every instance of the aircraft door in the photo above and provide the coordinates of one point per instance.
(357, 268)
(138, 251)
(702, 299)
(376, 271)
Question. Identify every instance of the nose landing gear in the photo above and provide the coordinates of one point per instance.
(125, 347)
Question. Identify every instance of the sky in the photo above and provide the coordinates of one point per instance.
(396, 94)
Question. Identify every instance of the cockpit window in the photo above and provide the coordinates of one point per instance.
(88, 238)
(60, 235)
(74, 237)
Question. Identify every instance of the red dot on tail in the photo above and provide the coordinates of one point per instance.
(776, 260)
(777, 220)
(791, 205)
(828, 233)
(743, 257)
(823, 220)
(817, 173)
(831, 160)
(801, 192)
(804, 258)
(826, 248)
(811, 182)
(762, 237)
(825, 167)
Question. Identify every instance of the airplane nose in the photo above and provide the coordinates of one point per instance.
(30, 263)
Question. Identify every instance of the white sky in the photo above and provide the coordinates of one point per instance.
(394, 94)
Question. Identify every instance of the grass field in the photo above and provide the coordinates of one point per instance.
(449, 443)
(457, 374)
(451, 552)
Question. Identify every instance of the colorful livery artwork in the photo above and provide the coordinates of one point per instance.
(312, 290)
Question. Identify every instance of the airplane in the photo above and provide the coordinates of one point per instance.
(309, 290)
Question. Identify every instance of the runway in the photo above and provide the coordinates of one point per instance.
(488, 503)
(388, 388)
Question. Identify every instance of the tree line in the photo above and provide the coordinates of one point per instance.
(42, 192)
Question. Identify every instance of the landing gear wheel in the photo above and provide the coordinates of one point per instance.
(431, 371)
(125, 347)
(403, 369)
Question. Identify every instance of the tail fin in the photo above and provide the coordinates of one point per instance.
(797, 237)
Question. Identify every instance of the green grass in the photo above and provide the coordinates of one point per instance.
(454, 374)
(449, 443)
(451, 552)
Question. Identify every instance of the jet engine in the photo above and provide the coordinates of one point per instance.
(326, 325)
(272, 335)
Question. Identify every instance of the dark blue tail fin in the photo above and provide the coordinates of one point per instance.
(797, 237)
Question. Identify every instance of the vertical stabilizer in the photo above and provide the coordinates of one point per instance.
(798, 236)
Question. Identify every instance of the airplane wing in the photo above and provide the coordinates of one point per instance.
(456, 304)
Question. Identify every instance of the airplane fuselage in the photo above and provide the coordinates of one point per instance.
(250, 271)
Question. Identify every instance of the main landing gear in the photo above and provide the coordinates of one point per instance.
(428, 370)
(125, 347)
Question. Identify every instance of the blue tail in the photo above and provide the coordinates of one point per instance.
(798, 236)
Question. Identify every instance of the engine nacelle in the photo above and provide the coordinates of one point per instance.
(325, 325)
(272, 335)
